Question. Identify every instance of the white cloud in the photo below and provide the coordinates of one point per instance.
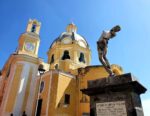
(146, 107)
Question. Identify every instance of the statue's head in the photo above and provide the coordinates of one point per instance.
(116, 28)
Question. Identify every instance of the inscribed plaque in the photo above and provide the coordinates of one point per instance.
(117, 108)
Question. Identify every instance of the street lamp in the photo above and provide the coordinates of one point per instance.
(41, 71)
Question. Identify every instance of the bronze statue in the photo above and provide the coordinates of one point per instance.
(102, 47)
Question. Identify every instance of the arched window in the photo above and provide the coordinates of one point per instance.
(33, 29)
(67, 99)
(81, 58)
(41, 86)
(52, 59)
(66, 55)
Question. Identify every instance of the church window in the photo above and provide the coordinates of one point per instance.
(33, 29)
(66, 55)
(41, 86)
(81, 58)
(52, 59)
(67, 99)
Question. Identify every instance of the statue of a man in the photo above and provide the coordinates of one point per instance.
(102, 44)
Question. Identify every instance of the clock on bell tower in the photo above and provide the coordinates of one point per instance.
(30, 40)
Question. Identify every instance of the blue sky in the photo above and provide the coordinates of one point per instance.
(130, 49)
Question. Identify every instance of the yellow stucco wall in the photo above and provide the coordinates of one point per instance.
(14, 89)
(67, 85)
(57, 84)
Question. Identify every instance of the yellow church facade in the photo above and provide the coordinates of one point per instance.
(29, 86)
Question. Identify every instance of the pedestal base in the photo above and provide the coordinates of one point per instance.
(117, 96)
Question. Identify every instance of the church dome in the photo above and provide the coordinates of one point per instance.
(70, 36)
(69, 51)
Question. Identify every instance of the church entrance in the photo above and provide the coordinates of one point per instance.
(39, 107)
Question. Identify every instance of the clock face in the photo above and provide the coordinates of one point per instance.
(66, 40)
(29, 46)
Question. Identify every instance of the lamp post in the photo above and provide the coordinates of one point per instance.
(41, 71)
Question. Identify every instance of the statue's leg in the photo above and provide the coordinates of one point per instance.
(104, 56)
(108, 67)
(107, 62)
(109, 71)
(102, 60)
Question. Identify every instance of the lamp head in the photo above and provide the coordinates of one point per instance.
(41, 69)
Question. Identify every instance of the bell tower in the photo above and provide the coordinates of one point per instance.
(19, 74)
(29, 41)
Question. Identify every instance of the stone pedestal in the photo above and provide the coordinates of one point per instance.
(115, 96)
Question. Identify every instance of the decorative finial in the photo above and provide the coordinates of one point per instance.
(71, 28)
